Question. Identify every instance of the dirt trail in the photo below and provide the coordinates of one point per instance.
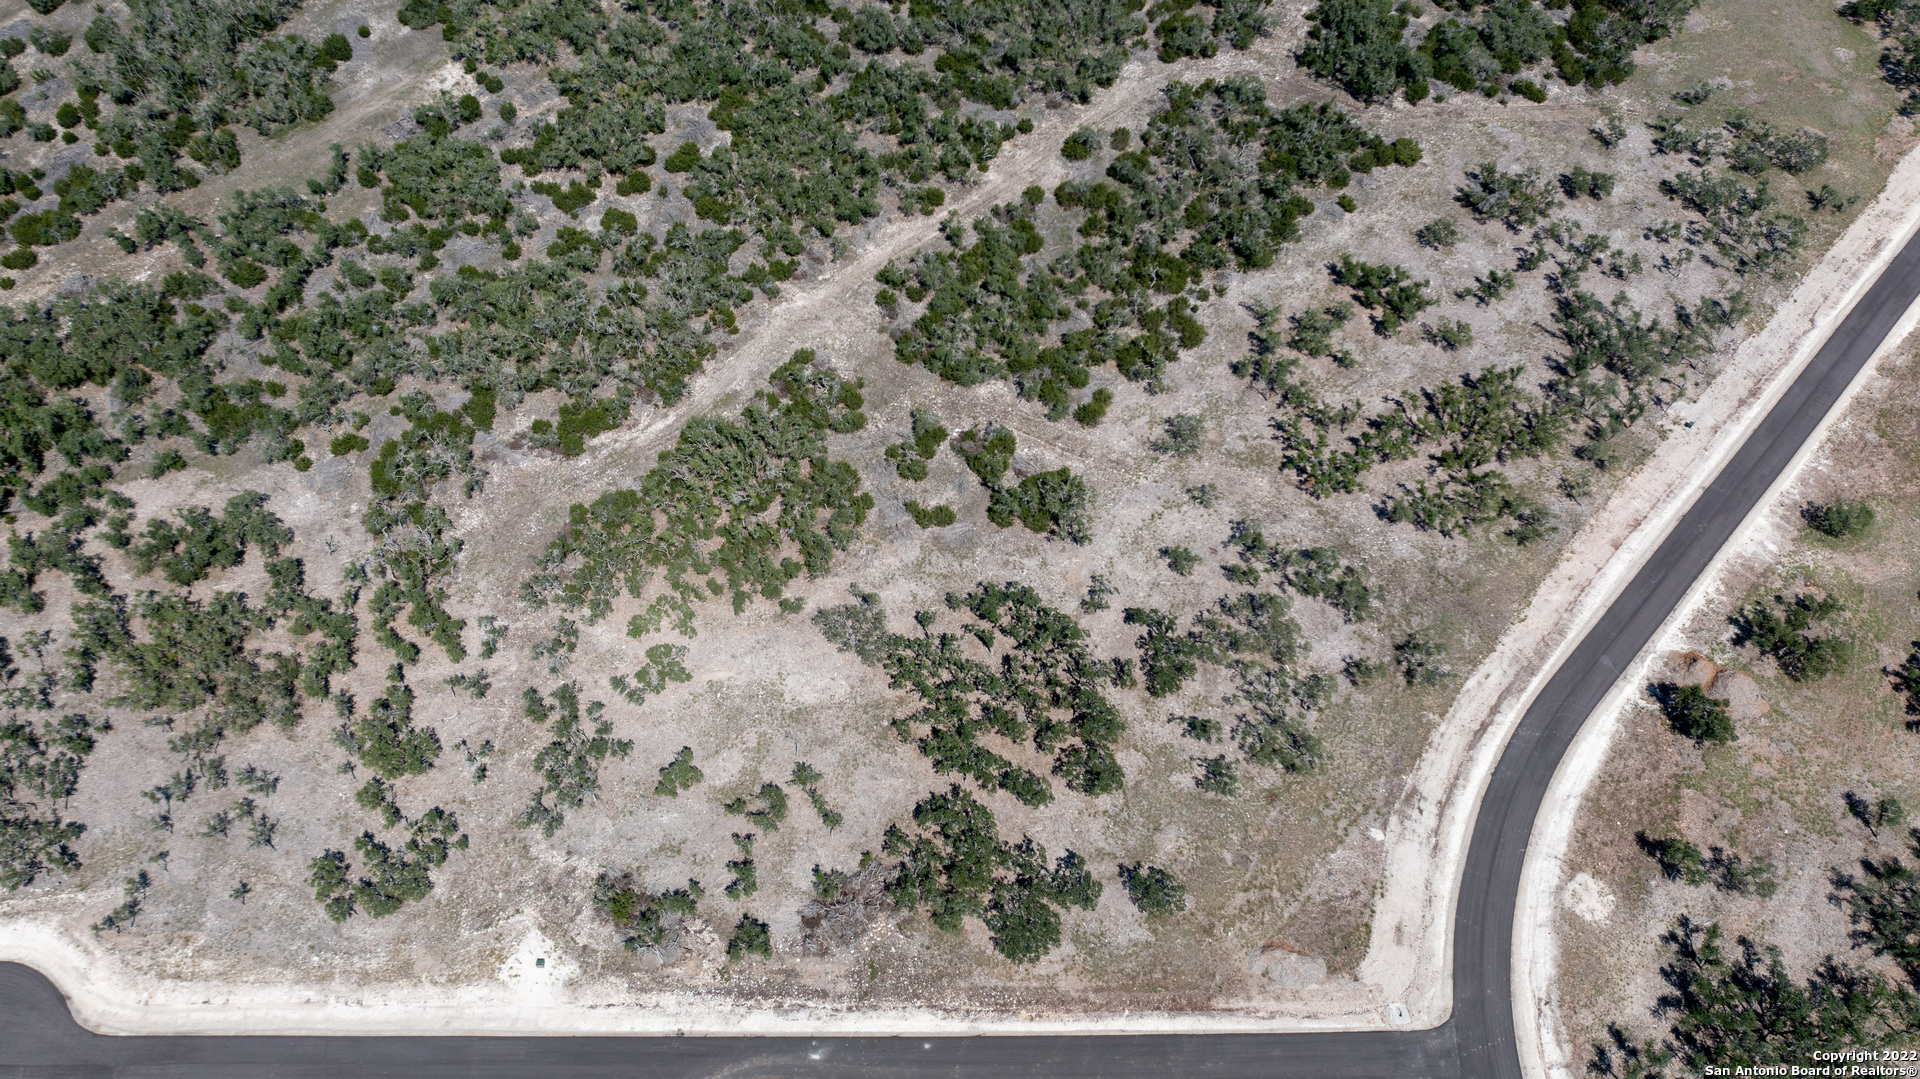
(832, 308)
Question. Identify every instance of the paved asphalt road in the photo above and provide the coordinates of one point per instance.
(39, 1038)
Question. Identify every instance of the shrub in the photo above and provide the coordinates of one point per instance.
(569, 765)
(643, 918)
(337, 48)
(1180, 560)
(1099, 592)
(245, 274)
(1441, 232)
(1420, 659)
(1182, 437)
(751, 936)
(683, 159)
(1056, 503)
(1358, 45)
(1529, 89)
(1218, 775)
(1094, 410)
(1594, 185)
(931, 516)
(1080, 145)
(1693, 714)
(1313, 330)
(1838, 519)
(1888, 812)
(350, 442)
(1053, 672)
(202, 543)
(678, 775)
(1386, 290)
(1152, 889)
(988, 451)
(1783, 629)
(1516, 199)
(955, 865)
(767, 807)
(616, 220)
(1451, 334)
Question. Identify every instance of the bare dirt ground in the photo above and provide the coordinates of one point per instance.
(1287, 926)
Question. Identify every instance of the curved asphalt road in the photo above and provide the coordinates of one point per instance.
(38, 1036)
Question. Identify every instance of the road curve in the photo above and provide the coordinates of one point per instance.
(38, 1036)
(1489, 890)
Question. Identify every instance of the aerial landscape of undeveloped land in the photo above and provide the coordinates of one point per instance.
(715, 507)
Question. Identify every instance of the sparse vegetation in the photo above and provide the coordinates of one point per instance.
(570, 764)
(1040, 686)
(642, 918)
(1784, 630)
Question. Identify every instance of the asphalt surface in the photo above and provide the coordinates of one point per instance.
(39, 1038)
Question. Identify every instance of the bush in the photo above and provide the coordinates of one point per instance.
(767, 807)
(350, 442)
(1218, 775)
(1152, 889)
(1094, 410)
(642, 918)
(337, 48)
(1053, 668)
(931, 516)
(1693, 714)
(751, 936)
(678, 774)
(1358, 44)
(1594, 185)
(955, 865)
(1441, 232)
(1182, 438)
(1080, 145)
(1783, 629)
(1516, 199)
(1451, 334)
(1387, 290)
(202, 543)
(683, 159)
(569, 765)
(1180, 560)
(1420, 659)
(1838, 519)
(1056, 503)
(245, 274)
(733, 495)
